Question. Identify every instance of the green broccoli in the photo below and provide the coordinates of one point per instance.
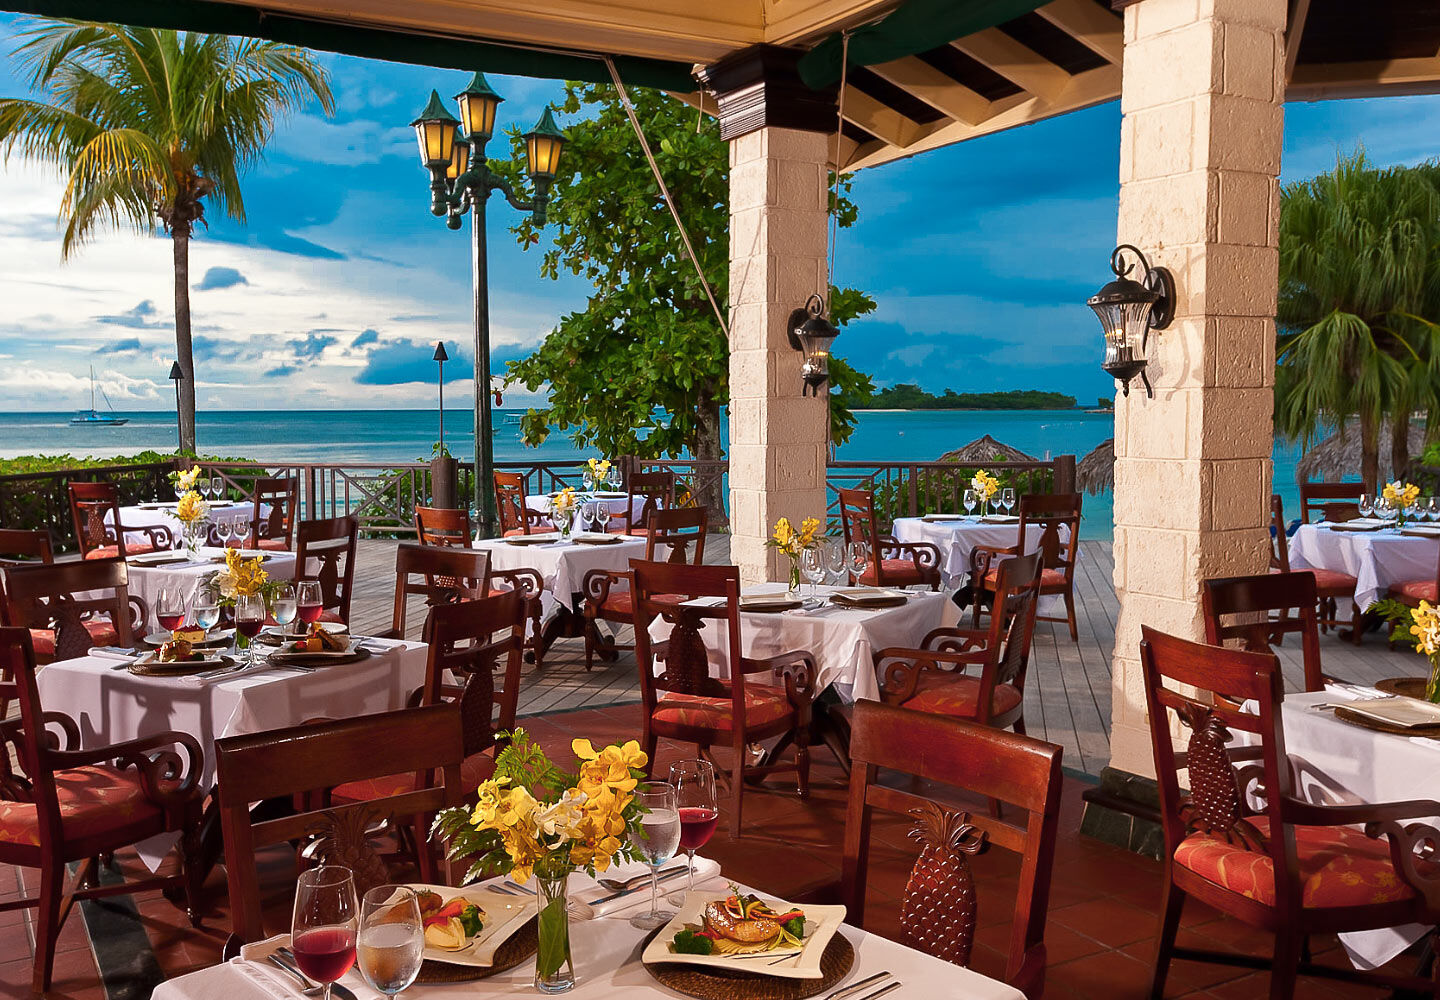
(471, 919)
(795, 926)
(689, 942)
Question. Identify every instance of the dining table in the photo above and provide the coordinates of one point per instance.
(957, 536)
(1377, 558)
(606, 953)
(110, 704)
(149, 573)
(161, 513)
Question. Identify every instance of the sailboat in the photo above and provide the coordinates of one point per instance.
(94, 418)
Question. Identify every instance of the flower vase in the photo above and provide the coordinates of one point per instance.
(564, 521)
(1432, 683)
(554, 967)
(194, 535)
(792, 592)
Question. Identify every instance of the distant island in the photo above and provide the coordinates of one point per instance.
(912, 397)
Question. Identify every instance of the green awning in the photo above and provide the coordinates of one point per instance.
(374, 43)
(915, 26)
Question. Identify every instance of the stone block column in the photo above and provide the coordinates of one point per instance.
(1202, 96)
(779, 152)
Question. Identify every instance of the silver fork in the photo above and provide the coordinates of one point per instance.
(306, 987)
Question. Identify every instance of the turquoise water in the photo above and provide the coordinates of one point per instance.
(381, 436)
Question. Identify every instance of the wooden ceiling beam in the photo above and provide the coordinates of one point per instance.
(1294, 31)
(1018, 63)
(878, 119)
(1380, 78)
(941, 92)
(1090, 25)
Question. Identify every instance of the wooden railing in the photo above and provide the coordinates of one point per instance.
(384, 495)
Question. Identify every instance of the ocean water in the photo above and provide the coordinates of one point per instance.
(384, 436)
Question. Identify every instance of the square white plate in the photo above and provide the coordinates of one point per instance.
(943, 517)
(821, 923)
(504, 915)
(161, 558)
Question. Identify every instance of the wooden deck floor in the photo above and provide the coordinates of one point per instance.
(1067, 697)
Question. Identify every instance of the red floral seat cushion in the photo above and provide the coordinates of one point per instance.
(1339, 866)
(92, 801)
(111, 551)
(763, 704)
(273, 545)
(958, 694)
(102, 633)
(618, 602)
(899, 572)
(1333, 583)
(1048, 578)
(1416, 590)
(476, 768)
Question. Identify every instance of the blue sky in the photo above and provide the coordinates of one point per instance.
(980, 257)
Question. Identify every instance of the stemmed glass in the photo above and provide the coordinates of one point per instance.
(309, 601)
(1007, 499)
(283, 608)
(699, 809)
(857, 556)
(205, 605)
(323, 929)
(1432, 509)
(835, 560)
(202, 486)
(587, 479)
(812, 564)
(659, 837)
(970, 501)
(602, 517)
(588, 514)
(391, 939)
(1366, 505)
(170, 608)
(222, 532)
(249, 619)
(217, 486)
(616, 481)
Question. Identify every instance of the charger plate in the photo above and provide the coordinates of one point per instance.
(153, 668)
(516, 949)
(723, 984)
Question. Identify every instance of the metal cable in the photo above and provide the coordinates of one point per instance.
(834, 207)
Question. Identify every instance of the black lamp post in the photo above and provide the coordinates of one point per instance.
(461, 179)
(176, 376)
(441, 357)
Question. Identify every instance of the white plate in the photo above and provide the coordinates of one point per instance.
(164, 558)
(943, 517)
(1000, 519)
(821, 923)
(609, 495)
(540, 539)
(868, 593)
(155, 504)
(264, 555)
(288, 647)
(213, 639)
(504, 915)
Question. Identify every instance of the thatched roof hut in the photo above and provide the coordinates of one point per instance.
(985, 449)
(1338, 455)
(1095, 473)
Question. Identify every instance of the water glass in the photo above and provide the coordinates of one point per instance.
(699, 810)
(857, 555)
(1432, 509)
(1366, 505)
(812, 564)
(602, 516)
(835, 560)
(1007, 499)
(658, 839)
(323, 928)
(587, 479)
(283, 608)
(205, 605)
(970, 501)
(392, 938)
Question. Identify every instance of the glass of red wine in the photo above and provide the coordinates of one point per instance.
(249, 619)
(699, 809)
(326, 921)
(170, 608)
(309, 601)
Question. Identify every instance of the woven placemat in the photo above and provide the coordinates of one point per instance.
(181, 669)
(1365, 722)
(867, 604)
(280, 658)
(1410, 687)
(721, 984)
(514, 950)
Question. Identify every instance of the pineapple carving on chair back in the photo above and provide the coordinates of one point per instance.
(687, 666)
(937, 915)
(1214, 806)
(345, 840)
(95, 532)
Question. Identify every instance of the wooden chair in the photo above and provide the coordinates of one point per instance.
(892, 563)
(684, 703)
(62, 605)
(1412, 592)
(937, 913)
(301, 761)
(1331, 586)
(66, 805)
(1332, 501)
(89, 503)
(515, 517)
(275, 530)
(934, 678)
(1261, 610)
(1239, 841)
(24, 548)
(608, 596)
(443, 526)
(1051, 512)
(655, 491)
(325, 551)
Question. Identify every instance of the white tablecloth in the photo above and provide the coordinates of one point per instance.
(1376, 559)
(146, 581)
(842, 640)
(562, 565)
(956, 540)
(237, 513)
(606, 952)
(111, 705)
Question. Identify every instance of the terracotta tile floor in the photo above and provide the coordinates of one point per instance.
(1099, 937)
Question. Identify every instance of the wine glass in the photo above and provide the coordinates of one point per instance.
(857, 555)
(202, 486)
(616, 480)
(217, 486)
(222, 532)
(658, 839)
(812, 564)
(249, 619)
(588, 515)
(391, 943)
(1007, 499)
(323, 930)
(970, 501)
(309, 601)
(282, 606)
(602, 516)
(699, 809)
(587, 479)
(205, 605)
(835, 560)
(179, 491)
(1432, 509)
(170, 608)
(1366, 505)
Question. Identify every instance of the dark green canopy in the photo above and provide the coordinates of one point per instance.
(914, 26)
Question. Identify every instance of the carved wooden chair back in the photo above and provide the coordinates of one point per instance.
(60, 596)
(680, 528)
(1058, 517)
(1318, 498)
(19, 547)
(1280, 550)
(655, 491)
(89, 503)
(325, 551)
(1240, 607)
(440, 575)
(300, 762)
(475, 641)
(687, 666)
(28, 736)
(280, 494)
(443, 526)
(857, 519)
(955, 754)
(510, 502)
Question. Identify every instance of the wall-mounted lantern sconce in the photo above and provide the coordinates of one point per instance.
(1128, 311)
(811, 334)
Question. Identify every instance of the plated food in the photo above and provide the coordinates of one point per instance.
(178, 651)
(320, 640)
(468, 926)
(741, 924)
(741, 932)
(450, 925)
(197, 637)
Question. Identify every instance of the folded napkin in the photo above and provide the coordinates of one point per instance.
(114, 653)
(595, 897)
(254, 966)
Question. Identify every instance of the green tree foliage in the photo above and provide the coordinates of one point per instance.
(146, 126)
(647, 341)
(907, 396)
(1359, 301)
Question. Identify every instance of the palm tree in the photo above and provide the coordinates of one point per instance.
(146, 126)
(1359, 300)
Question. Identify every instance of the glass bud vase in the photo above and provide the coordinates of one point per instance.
(194, 535)
(554, 968)
(793, 590)
(1432, 683)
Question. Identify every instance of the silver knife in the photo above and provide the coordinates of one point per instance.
(638, 888)
(286, 957)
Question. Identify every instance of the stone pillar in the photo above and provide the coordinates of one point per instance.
(779, 151)
(1201, 99)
